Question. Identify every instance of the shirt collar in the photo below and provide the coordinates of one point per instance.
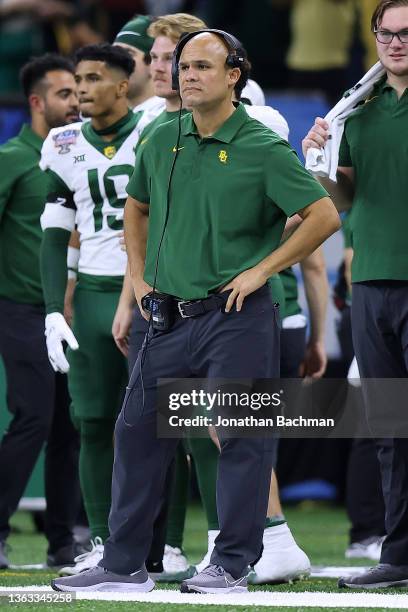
(382, 85)
(226, 132)
(28, 136)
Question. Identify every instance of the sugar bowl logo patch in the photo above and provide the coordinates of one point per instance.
(63, 140)
(109, 152)
(223, 156)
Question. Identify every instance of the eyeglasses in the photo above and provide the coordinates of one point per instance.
(386, 37)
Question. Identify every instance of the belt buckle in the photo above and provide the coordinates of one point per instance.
(180, 309)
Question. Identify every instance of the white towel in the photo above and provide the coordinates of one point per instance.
(324, 162)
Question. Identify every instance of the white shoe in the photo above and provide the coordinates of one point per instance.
(85, 561)
(370, 548)
(282, 560)
(212, 534)
(174, 560)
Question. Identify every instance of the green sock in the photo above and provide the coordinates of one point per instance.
(273, 521)
(178, 499)
(205, 455)
(95, 472)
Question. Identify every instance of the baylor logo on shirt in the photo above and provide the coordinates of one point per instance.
(223, 156)
(110, 151)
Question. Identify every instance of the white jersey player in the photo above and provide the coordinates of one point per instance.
(90, 182)
(89, 166)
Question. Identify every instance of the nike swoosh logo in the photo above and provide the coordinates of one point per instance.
(175, 150)
(59, 201)
(234, 582)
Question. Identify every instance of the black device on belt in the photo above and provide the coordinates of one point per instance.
(163, 307)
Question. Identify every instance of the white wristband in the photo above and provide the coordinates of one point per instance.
(72, 262)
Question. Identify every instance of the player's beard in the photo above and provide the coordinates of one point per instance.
(54, 119)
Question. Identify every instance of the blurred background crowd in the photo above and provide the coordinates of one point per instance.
(291, 43)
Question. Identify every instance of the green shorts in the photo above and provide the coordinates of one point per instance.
(98, 371)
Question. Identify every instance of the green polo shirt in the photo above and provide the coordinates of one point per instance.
(290, 288)
(346, 229)
(375, 145)
(230, 196)
(23, 188)
(164, 117)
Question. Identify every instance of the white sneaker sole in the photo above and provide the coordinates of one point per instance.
(222, 591)
(253, 578)
(122, 587)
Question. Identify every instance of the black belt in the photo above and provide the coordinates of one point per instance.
(195, 308)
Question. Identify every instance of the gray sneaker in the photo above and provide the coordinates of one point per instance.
(214, 579)
(100, 579)
(4, 562)
(381, 576)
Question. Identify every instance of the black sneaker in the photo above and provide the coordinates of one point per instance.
(4, 562)
(65, 555)
(379, 577)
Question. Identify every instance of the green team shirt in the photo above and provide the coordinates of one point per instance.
(164, 117)
(230, 196)
(346, 229)
(23, 187)
(375, 145)
(290, 288)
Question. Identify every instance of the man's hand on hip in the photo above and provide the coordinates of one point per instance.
(141, 288)
(56, 332)
(242, 285)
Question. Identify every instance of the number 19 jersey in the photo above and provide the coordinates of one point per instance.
(87, 190)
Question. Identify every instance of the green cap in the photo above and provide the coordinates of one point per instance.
(134, 33)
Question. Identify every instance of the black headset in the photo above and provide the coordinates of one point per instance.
(234, 60)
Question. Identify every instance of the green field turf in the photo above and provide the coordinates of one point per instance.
(320, 530)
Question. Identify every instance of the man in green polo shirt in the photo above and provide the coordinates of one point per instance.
(37, 398)
(233, 184)
(165, 31)
(372, 177)
(129, 327)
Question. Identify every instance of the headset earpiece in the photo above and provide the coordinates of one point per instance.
(234, 60)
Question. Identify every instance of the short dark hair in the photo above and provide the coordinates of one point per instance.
(36, 69)
(113, 55)
(245, 68)
(383, 6)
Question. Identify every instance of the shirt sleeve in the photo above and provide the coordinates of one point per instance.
(288, 183)
(139, 183)
(60, 208)
(276, 122)
(53, 266)
(344, 152)
(6, 182)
